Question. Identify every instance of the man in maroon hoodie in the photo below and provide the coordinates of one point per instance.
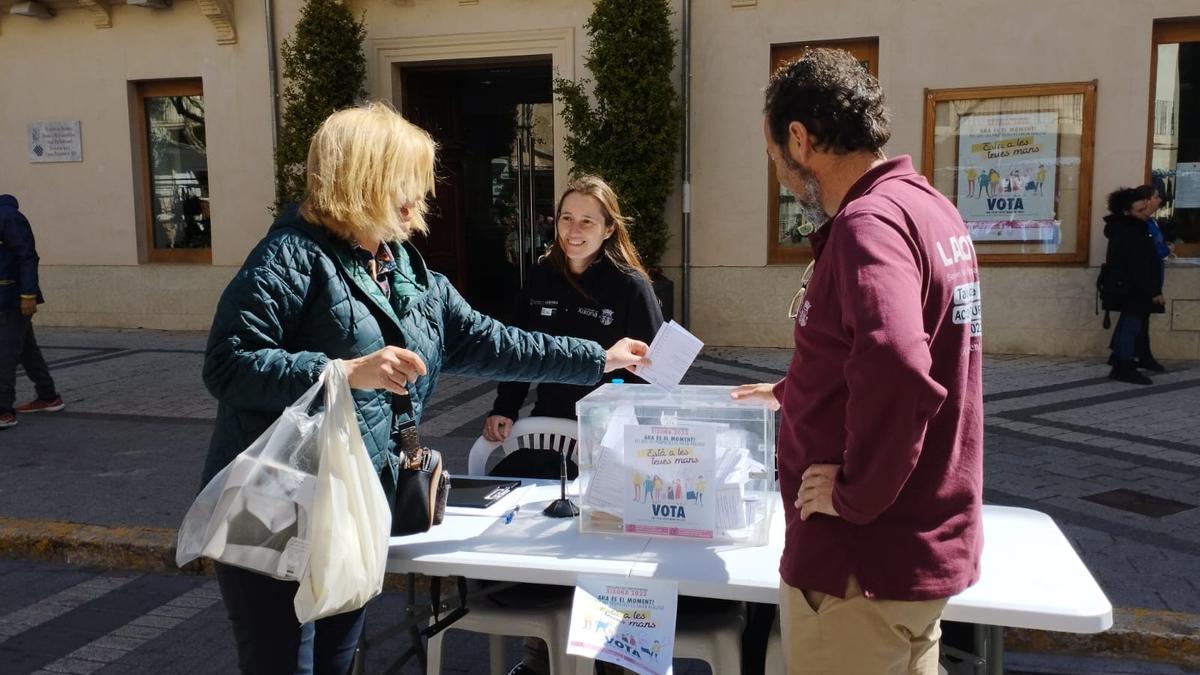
(881, 435)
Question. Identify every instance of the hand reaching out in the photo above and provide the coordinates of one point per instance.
(627, 353)
(764, 391)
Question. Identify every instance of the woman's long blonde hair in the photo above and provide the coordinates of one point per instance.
(618, 248)
(364, 164)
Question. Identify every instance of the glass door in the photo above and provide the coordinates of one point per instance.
(493, 215)
(523, 188)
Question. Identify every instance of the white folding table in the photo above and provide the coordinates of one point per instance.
(1031, 577)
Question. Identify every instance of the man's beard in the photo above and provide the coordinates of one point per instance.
(808, 197)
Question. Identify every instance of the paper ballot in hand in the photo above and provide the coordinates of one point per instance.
(671, 354)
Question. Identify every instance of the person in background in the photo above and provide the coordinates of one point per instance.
(20, 296)
(1134, 267)
(881, 437)
(338, 278)
(589, 284)
(1153, 200)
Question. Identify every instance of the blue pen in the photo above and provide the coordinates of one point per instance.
(509, 516)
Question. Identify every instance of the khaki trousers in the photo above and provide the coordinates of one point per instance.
(827, 635)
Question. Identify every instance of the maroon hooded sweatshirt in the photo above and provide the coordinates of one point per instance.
(886, 381)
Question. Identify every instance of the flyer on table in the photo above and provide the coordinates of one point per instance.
(628, 622)
(670, 471)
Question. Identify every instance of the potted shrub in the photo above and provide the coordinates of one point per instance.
(324, 71)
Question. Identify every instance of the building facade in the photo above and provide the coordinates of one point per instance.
(139, 140)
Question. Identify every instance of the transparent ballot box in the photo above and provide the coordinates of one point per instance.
(691, 463)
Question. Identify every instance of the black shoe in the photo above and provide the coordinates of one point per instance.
(1152, 365)
(1112, 359)
(523, 668)
(1125, 371)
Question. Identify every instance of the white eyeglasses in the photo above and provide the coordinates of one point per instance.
(798, 298)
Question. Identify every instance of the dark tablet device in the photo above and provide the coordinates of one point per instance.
(479, 493)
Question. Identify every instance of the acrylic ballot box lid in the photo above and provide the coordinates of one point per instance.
(691, 463)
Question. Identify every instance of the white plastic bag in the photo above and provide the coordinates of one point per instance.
(302, 503)
(351, 517)
(257, 512)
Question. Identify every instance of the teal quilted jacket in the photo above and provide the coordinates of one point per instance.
(302, 298)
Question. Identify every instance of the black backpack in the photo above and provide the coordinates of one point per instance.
(1111, 291)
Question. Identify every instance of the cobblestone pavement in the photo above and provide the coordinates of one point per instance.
(1117, 466)
(60, 619)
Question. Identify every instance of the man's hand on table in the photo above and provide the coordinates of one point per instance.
(816, 490)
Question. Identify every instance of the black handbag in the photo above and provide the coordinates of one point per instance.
(422, 483)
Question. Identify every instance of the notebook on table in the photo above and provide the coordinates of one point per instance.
(479, 493)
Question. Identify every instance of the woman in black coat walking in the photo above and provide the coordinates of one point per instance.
(1133, 284)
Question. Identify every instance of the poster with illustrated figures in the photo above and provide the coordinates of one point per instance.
(670, 480)
(626, 621)
(1006, 176)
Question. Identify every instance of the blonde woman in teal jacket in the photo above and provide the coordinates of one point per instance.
(336, 278)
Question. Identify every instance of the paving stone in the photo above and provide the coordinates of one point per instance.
(155, 621)
(1174, 455)
(8, 630)
(143, 632)
(1102, 442)
(42, 611)
(197, 601)
(103, 654)
(1072, 470)
(76, 666)
(116, 642)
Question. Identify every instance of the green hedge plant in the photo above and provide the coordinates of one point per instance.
(627, 128)
(324, 70)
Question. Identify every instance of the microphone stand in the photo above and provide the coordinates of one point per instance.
(562, 507)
